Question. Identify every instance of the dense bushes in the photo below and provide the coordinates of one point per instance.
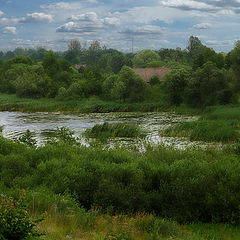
(191, 185)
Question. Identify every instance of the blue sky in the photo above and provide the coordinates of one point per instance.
(151, 24)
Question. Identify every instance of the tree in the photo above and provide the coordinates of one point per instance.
(74, 45)
(234, 61)
(194, 46)
(133, 87)
(108, 85)
(32, 83)
(208, 86)
(50, 64)
(95, 46)
(174, 85)
(207, 54)
(147, 58)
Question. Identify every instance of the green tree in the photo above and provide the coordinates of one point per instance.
(133, 87)
(32, 83)
(50, 64)
(108, 84)
(234, 60)
(174, 85)
(147, 58)
(207, 85)
(194, 46)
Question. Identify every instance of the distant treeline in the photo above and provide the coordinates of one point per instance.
(200, 77)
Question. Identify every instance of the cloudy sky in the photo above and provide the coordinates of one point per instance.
(150, 24)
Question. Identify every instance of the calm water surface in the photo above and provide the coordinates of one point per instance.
(16, 123)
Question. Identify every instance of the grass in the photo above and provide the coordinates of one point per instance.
(206, 130)
(91, 105)
(65, 219)
(107, 130)
(14, 103)
(217, 124)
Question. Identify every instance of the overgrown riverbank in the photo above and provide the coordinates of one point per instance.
(63, 218)
(168, 182)
(14, 103)
(217, 124)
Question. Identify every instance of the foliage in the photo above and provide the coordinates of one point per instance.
(27, 138)
(194, 46)
(106, 130)
(171, 183)
(175, 84)
(208, 131)
(16, 223)
(64, 135)
(206, 85)
(147, 58)
(33, 83)
(220, 124)
(50, 64)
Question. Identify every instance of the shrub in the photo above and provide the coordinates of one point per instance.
(16, 223)
(27, 138)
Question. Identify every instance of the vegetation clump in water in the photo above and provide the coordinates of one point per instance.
(107, 130)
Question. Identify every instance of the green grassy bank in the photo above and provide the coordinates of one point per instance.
(217, 124)
(92, 105)
(14, 103)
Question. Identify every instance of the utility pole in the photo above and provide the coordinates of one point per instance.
(132, 43)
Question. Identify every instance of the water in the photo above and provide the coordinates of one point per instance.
(41, 124)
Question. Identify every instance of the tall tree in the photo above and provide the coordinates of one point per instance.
(194, 46)
(50, 64)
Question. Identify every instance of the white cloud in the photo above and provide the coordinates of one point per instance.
(187, 5)
(203, 26)
(62, 6)
(144, 30)
(88, 17)
(92, 1)
(9, 30)
(221, 7)
(10, 21)
(38, 17)
(88, 22)
(1, 13)
(220, 43)
(31, 18)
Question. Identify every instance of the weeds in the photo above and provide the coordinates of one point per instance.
(107, 130)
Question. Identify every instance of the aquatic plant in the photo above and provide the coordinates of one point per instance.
(107, 130)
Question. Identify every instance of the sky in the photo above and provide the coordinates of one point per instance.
(119, 24)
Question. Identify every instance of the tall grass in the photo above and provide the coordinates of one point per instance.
(217, 124)
(206, 130)
(65, 219)
(106, 130)
(13, 103)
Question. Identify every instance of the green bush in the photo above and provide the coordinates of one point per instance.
(171, 183)
(16, 223)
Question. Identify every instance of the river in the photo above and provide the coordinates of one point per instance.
(41, 124)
